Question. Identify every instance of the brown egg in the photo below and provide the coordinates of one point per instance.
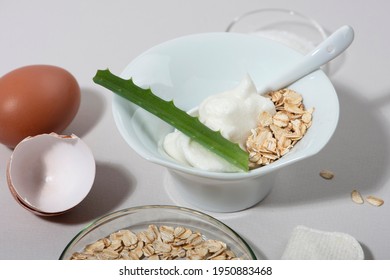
(36, 99)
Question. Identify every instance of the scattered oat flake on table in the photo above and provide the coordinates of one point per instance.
(357, 197)
(327, 174)
(374, 200)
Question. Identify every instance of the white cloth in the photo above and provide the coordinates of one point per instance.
(311, 244)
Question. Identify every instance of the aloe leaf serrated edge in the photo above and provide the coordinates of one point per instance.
(168, 112)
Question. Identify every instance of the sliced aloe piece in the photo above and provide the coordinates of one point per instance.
(168, 112)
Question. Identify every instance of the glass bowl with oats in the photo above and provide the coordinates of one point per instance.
(191, 69)
(155, 232)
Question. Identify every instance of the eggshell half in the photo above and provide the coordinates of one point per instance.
(51, 173)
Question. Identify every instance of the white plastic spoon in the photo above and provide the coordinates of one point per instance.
(329, 49)
(326, 51)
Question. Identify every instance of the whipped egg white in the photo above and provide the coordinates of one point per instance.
(234, 113)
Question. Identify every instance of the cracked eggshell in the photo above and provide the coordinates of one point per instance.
(50, 173)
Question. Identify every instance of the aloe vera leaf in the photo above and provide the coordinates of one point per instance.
(168, 112)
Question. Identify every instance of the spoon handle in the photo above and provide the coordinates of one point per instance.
(329, 49)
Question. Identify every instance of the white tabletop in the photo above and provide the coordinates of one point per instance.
(83, 36)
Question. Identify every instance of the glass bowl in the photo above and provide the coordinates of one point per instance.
(285, 26)
(288, 27)
(138, 219)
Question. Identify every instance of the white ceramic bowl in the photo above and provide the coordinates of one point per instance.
(190, 68)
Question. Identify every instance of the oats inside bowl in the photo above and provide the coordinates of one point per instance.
(156, 243)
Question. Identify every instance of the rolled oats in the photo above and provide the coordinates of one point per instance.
(357, 197)
(167, 234)
(156, 243)
(373, 200)
(276, 135)
(327, 174)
